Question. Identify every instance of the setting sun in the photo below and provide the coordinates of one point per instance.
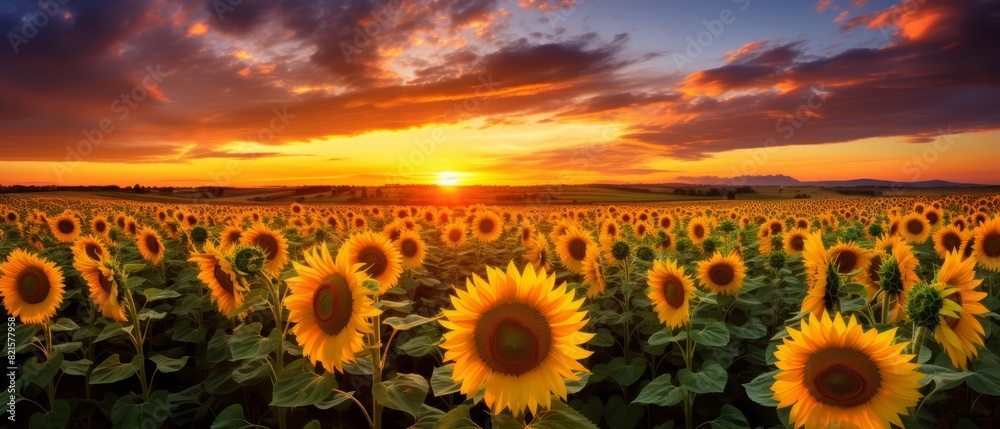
(447, 178)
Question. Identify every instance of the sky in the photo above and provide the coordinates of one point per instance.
(304, 92)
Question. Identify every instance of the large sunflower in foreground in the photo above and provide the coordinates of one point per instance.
(671, 291)
(216, 271)
(722, 274)
(273, 244)
(518, 335)
(149, 245)
(572, 248)
(330, 308)
(834, 373)
(102, 284)
(381, 260)
(65, 227)
(31, 286)
(986, 247)
(962, 336)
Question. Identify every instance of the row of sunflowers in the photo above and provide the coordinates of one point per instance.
(861, 312)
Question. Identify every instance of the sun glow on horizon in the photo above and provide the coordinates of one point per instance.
(448, 178)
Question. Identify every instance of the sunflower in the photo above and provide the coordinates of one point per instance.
(572, 248)
(526, 233)
(487, 226)
(330, 308)
(897, 276)
(947, 239)
(102, 282)
(31, 286)
(65, 227)
(149, 245)
(538, 255)
(216, 271)
(824, 290)
(99, 225)
(231, 236)
(870, 275)
(915, 228)
(933, 217)
(453, 235)
(671, 291)
(986, 247)
(666, 222)
(665, 242)
(610, 229)
(849, 257)
(90, 246)
(516, 334)
(722, 274)
(962, 336)
(380, 259)
(833, 373)
(815, 256)
(272, 243)
(412, 248)
(593, 272)
(698, 230)
(795, 241)
(10, 217)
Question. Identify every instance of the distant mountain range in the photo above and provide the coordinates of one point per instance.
(783, 180)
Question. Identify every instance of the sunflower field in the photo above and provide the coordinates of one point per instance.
(865, 312)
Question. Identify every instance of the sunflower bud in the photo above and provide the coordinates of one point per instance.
(620, 250)
(248, 259)
(891, 278)
(776, 260)
(645, 253)
(923, 305)
(727, 226)
(709, 245)
(199, 235)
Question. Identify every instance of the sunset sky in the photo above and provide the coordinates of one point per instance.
(267, 92)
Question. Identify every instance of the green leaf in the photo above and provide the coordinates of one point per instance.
(561, 416)
(422, 344)
(602, 338)
(406, 392)
(58, 418)
(986, 379)
(313, 424)
(661, 392)
(620, 415)
(149, 313)
(427, 417)
(41, 373)
(112, 370)
(249, 299)
(751, 330)
(714, 334)
(231, 417)
(67, 348)
(441, 382)
(665, 336)
(759, 389)
(64, 324)
(457, 418)
(408, 322)
(218, 347)
(113, 330)
(731, 418)
(246, 342)
(76, 367)
(188, 331)
(131, 268)
(128, 413)
(167, 365)
(626, 373)
(298, 385)
(711, 379)
(154, 294)
(252, 371)
(574, 386)
(942, 377)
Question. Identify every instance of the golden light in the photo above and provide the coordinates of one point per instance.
(447, 178)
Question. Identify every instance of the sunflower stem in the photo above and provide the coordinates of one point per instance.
(50, 389)
(885, 308)
(688, 362)
(918, 341)
(375, 348)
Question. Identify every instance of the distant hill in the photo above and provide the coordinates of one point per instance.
(783, 180)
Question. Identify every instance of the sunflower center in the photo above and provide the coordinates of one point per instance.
(332, 304)
(268, 244)
(842, 377)
(721, 274)
(93, 251)
(699, 231)
(577, 248)
(235, 236)
(152, 244)
(65, 226)
(991, 245)
(798, 243)
(951, 242)
(100, 227)
(11, 216)
(513, 338)
(454, 235)
(486, 226)
(409, 248)
(612, 230)
(665, 243)
(33, 285)
(932, 217)
(104, 282)
(846, 261)
(874, 268)
(665, 223)
(914, 226)
(223, 279)
(525, 234)
(374, 259)
(673, 291)
(967, 251)
(775, 228)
